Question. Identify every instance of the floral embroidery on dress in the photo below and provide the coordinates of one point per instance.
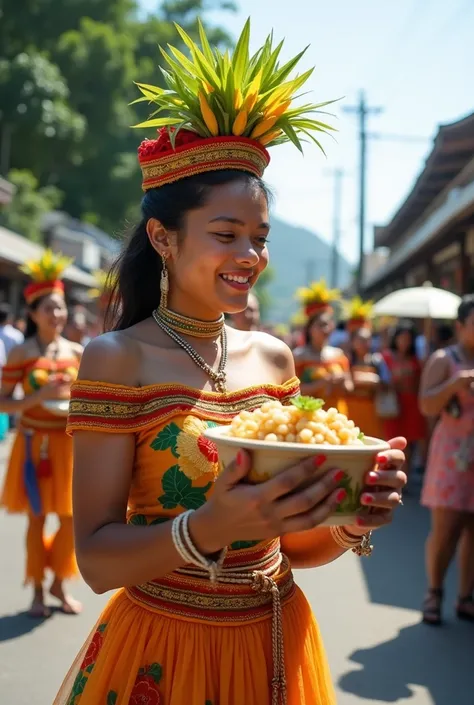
(88, 664)
(179, 491)
(198, 455)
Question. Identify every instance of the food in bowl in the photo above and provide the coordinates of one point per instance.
(304, 421)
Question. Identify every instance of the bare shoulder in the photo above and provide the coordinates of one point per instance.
(20, 353)
(112, 357)
(76, 349)
(276, 352)
(436, 370)
(332, 353)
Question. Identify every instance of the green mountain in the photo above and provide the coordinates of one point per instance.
(298, 256)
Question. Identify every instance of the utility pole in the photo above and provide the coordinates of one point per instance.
(336, 233)
(362, 110)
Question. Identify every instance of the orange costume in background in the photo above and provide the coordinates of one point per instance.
(178, 639)
(39, 475)
(42, 445)
(310, 371)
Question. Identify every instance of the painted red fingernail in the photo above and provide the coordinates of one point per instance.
(382, 459)
(340, 496)
(340, 475)
(367, 499)
(360, 521)
(239, 459)
(319, 460)
(372, 478)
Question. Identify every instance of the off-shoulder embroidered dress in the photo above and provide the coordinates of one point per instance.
(178, 640)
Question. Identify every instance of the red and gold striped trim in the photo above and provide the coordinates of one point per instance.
(115, 408)
(316, 307)
(185, 595)
(36, 290)
(213, 154)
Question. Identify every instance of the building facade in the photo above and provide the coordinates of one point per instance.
(431, 237)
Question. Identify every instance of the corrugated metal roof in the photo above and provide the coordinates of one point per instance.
(15, 249)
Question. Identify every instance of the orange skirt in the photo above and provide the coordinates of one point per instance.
(56, 489)
(362, 411)
(149, 648)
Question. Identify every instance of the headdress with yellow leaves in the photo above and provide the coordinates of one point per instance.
(220, 111)
(317, 298)
(46, 274)
(359, 314)
(103, 291)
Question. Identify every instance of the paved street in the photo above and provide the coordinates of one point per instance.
(368, 612)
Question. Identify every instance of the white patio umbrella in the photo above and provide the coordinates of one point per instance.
(419, 302)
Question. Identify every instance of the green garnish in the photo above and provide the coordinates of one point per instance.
(361, 436)
(307, 403)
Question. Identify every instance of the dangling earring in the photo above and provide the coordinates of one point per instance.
(164, 283)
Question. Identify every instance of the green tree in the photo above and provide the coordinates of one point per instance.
(24, 214)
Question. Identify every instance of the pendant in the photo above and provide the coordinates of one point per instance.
(220, 382)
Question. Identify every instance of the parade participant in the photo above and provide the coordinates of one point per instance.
(323, 370)
(39, 475)
(405, 371)
(102, 294)
(447, 391)
(249, 319)
(368, 370)
(9, 335)
(153, 510)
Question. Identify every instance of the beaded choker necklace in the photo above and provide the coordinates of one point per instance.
(190, 326)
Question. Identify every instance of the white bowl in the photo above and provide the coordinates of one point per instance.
(58, 407)
(269, 459)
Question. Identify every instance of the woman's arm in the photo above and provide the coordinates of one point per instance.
(311, 549)
(437, 384)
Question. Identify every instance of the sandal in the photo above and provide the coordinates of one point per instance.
(432, 607)
(462, 612)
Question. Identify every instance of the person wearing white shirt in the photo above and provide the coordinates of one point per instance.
(9, 335)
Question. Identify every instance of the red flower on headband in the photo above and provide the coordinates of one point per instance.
(149, 148)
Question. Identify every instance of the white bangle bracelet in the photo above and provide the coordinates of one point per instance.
(187, 550)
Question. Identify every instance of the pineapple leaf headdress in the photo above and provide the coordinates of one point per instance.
(215, 94)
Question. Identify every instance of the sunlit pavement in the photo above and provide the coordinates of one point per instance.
(367, 610)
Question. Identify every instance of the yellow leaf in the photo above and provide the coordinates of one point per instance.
(208, 116)
(262, 127)
(240, 123)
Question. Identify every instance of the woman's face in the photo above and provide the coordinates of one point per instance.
(466, 331)
(361, 342)
(50, 315)
(222, 254)
(321, 328)
(404, 342)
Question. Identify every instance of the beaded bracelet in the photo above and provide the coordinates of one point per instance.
(360, 545)
(187, 550)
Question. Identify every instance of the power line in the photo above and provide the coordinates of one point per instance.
(362, 110)
(338, 175)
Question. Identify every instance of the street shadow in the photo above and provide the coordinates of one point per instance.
(438, 659)
(12, 626)
(395, 572)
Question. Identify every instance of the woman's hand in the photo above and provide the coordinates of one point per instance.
(383, 491)
(238, 511)
(57, 387)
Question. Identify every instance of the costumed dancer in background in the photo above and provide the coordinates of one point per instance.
(102, 294)
(249, 318)
(368, 369)
(322, 369)
(39, 475)
(206, 597)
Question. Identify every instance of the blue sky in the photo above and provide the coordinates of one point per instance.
(413, 58)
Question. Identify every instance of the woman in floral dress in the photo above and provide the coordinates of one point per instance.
(447, 390)
(147, 482)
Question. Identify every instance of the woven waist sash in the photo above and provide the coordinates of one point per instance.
(250, 586)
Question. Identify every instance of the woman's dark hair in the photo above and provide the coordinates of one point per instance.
(465, 308)
(404, 327)
(137, 271)
(31, 327)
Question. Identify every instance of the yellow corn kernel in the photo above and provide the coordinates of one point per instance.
(208, 116)
(240, 123)
(262, 127)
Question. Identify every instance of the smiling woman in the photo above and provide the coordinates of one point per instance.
(206, 597)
